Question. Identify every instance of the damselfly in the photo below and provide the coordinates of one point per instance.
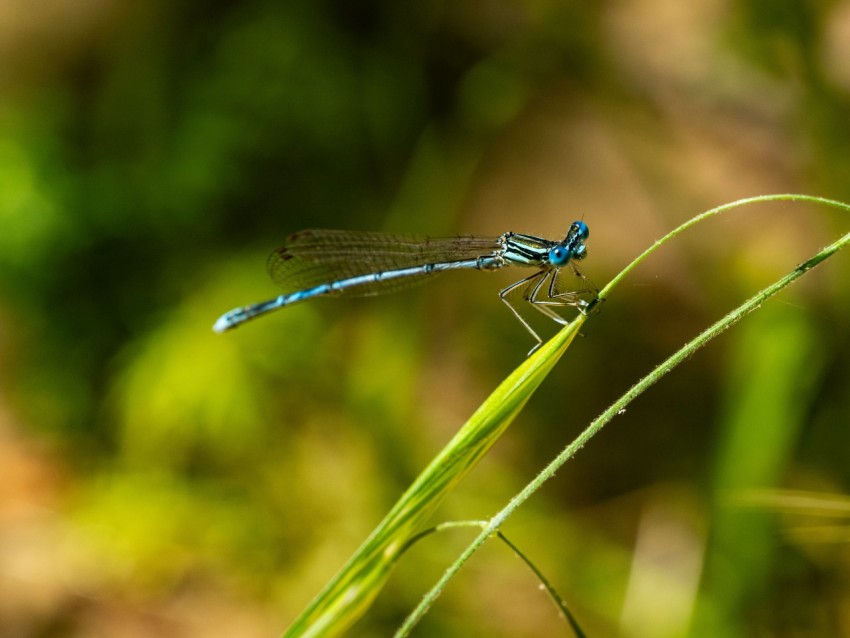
(319, 263)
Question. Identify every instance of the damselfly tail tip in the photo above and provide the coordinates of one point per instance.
(223, 324)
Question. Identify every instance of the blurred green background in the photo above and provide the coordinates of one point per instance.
(160, 480)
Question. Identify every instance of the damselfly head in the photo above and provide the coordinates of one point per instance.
(561, 254)
(572, 247)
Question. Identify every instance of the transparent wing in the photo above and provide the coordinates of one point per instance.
(313, 257)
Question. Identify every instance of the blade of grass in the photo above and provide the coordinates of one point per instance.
(347, 596)
(352, 590)
(760, 199)
(544, 582)
(640, 387)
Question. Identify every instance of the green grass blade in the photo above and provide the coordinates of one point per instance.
(354, 588)
(544, 582)
(640, 387)
(760, 199)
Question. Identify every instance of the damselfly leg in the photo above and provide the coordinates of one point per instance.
(571, 297)
(545, 298)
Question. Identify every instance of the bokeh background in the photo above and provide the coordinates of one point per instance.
(157, 479)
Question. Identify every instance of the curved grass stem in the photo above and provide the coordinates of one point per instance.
(544, 582)
(641, 386)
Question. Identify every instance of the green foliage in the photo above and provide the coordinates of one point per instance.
(352, 590)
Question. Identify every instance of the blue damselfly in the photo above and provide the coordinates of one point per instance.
(319, 263)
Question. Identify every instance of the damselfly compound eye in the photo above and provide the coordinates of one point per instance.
(580, 252)
(559, 256)
(582, 231)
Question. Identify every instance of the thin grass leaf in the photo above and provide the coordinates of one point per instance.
(793, 502)
(544, 582)
(353, 589)
(640, 387)
(803, 513)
